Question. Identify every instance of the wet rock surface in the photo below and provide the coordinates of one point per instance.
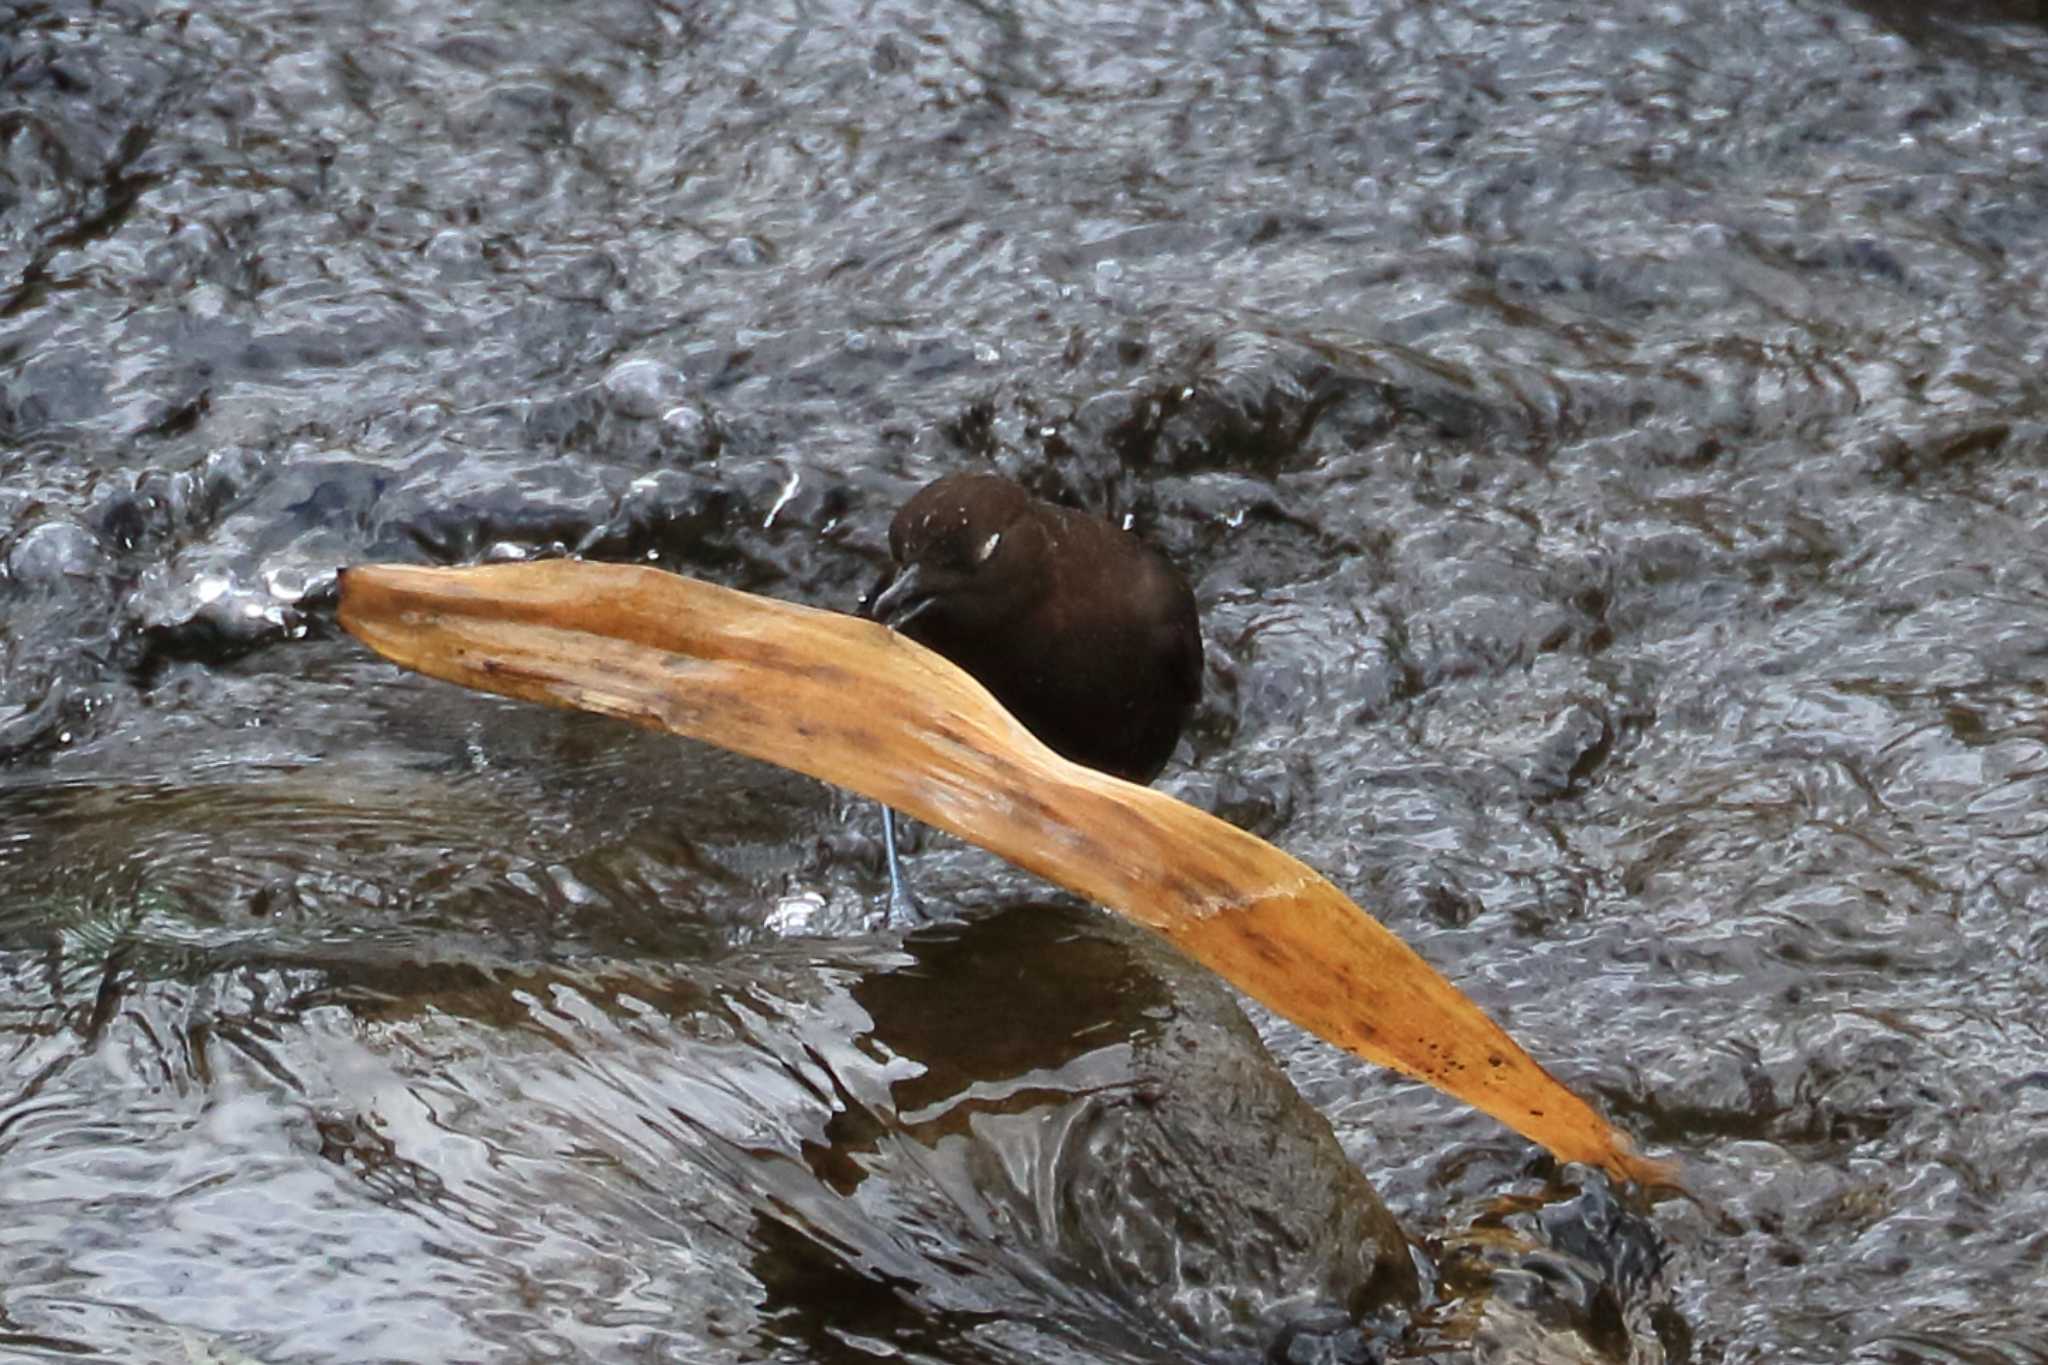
(1608, 449)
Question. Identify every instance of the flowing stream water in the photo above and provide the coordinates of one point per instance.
(1608, 445)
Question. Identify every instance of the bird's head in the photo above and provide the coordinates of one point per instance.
(970, 556)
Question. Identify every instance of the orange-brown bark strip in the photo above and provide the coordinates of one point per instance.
(854, 704)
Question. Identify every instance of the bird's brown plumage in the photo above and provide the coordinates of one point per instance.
(1081, 630)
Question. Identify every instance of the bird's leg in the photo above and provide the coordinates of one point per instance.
(903, 907)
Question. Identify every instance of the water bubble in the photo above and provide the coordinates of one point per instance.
(686, 424)
(452, 246)
(52, 550)
(643, 387)
(746, 251)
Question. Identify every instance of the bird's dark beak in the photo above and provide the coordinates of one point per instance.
(901, 599)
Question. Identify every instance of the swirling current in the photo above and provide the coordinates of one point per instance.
(1607, 443)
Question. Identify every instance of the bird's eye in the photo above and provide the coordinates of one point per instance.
(988, 548)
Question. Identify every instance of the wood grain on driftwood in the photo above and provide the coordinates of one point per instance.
(855, 704)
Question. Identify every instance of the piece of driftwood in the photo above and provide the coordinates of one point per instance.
(857, 705)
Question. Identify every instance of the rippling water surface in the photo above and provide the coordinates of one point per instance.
(1608, 444)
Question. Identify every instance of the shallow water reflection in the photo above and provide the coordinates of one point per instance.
(804, 1142)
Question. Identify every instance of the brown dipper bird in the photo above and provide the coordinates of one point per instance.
(1081, 630)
